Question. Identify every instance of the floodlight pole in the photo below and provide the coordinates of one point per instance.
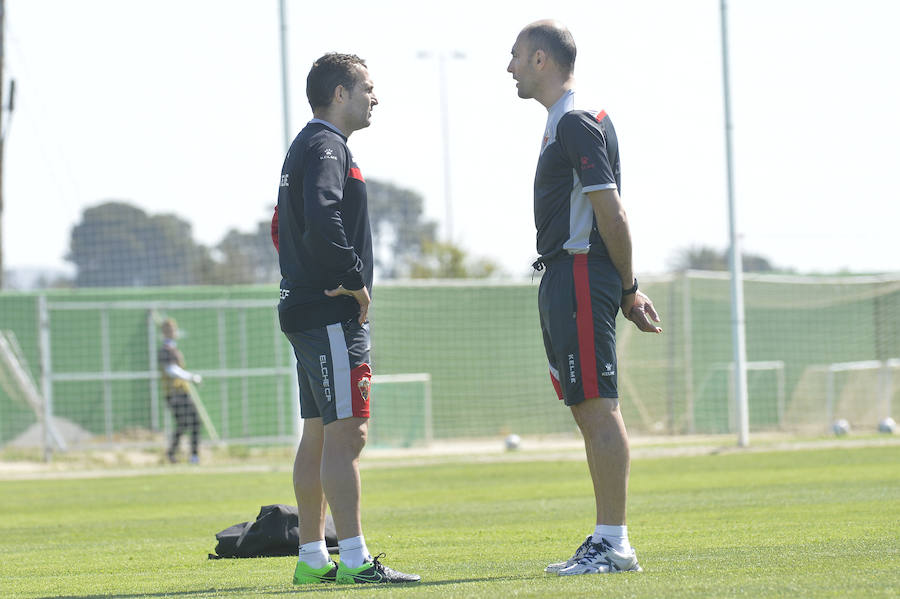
(285, 90)
(739, 345)
(445, 133)
(2, 137)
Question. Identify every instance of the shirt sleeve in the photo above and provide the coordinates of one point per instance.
(324, 176)
(584, 143)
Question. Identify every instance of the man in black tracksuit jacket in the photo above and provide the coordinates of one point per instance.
(324, 237)
(325, 251)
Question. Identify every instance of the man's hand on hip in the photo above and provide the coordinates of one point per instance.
(639, 309)
(361, 296)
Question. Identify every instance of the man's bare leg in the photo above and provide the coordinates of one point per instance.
(588, 451)
(308, 483)
(606, 446)
(343, 442)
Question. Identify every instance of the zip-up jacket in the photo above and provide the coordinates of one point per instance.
(324, 237)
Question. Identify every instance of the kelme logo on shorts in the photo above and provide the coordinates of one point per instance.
(609, 370)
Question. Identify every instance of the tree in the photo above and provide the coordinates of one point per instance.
(441, 260)
(707, 258)
(246, 257)
(399, 230)
(117, 244)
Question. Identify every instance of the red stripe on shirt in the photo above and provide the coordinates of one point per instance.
(584, 323)
(355, 173)
(601, 115)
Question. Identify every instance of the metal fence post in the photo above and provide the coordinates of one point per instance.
(46, 371)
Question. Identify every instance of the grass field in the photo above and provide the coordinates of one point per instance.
(812, 523)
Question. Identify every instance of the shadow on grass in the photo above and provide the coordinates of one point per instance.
(320, 588)
(240, 590)
(338, 588)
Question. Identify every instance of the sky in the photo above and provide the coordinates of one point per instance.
(176, 106)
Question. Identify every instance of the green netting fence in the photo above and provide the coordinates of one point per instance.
(459, 359)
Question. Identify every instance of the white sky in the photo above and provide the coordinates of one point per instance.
(175, 106)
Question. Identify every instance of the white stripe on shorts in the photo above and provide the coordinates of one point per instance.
(553, 371)
(340, 362)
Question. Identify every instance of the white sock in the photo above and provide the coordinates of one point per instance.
(617, 536)
(314, 554)
(353, 551)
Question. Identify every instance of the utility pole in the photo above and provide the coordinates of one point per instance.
(738, 334)
(442, 58)
(285, 82)
(2, 135)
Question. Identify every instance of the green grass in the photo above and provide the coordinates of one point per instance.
(823, 523)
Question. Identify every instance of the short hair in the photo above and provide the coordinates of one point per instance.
(555, 40)
(168, 326)
(327, 73)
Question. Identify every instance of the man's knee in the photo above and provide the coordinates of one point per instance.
(596, 414)
(350, 433)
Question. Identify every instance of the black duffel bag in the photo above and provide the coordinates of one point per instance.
(275, 533)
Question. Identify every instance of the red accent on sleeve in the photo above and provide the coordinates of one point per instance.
(355, 173)
(601, 115)
(275, 228)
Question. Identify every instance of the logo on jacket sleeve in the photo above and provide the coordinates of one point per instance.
(328, 155)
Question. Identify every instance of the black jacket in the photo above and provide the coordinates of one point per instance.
(324, 236)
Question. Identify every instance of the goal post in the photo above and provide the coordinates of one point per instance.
(401, 410)
(16, 381)
(759, 401)
(885, 374)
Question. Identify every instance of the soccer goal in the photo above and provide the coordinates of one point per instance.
(767, 392)
(16, 382)
(873, 377)
(401, 410)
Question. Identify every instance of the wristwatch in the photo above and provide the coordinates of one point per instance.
(632, 290)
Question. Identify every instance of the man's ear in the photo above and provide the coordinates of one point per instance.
(540, 58)
(338, 94)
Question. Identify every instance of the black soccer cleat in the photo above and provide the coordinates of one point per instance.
(373, 571)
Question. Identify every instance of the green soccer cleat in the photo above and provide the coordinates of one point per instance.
(303, 574)
(373, 571)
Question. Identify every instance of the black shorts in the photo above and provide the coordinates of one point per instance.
(578, 300)
(333, 370)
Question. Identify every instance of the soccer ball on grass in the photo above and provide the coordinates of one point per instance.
(840, 427)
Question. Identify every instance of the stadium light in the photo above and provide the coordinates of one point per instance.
(739, 345)
(442, 58)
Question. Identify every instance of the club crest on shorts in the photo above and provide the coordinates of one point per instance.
(364, 385)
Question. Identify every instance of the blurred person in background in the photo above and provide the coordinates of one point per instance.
(178, 393)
